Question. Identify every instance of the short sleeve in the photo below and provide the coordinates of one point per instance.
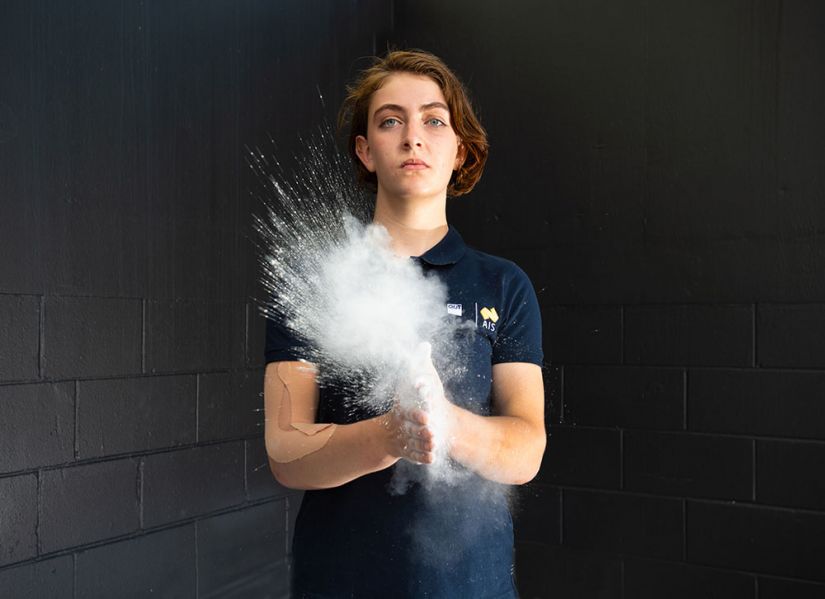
(519, 333)
(282, 345)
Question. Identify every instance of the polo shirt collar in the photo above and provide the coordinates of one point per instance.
(447, 251)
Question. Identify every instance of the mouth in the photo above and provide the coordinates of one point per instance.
(414, 164)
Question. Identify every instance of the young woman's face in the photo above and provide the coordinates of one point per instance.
(410, 144)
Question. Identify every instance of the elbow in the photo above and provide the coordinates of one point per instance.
(532, 465)
(285, 475)
(284, 472)
(279, 472)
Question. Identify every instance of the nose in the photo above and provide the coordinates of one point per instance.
(412, 135)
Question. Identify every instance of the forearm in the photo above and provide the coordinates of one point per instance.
(504, 449)
(352, 451)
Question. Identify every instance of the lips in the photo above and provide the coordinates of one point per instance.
(414, 164)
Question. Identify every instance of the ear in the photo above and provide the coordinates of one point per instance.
(461, 155)
(362, 150)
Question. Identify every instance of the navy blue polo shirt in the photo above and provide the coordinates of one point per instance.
(359, 540)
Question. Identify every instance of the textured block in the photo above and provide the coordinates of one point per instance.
(52, 578)
(187, 335)
(646, 579)
(19, 224)
(690, 335)
(260, 482)
(582, 334)
(83, 504)
(195, 152)
(697, 179)
(753, 402)
(230, 404)
(564, 573)
(773, 588)
(190, 482)
(800, 139)
(160, 412)
(624, 396)
(688, 465)
(791, 335)
(86, 336)
(160, 564)
(37, 425)
(581, 457)
(790, 473)
(619, 523)
(757, 539)
(240, 546)
(89, 180)
(20, 332)
(537, 514)
(18, 518)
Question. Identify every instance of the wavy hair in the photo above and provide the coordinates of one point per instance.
(355, 113)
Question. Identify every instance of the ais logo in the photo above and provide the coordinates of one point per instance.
(490, 317)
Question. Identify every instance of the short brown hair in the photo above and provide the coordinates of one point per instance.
(355, 112)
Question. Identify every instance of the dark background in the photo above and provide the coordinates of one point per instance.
(658, 168)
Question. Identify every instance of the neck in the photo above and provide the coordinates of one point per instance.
(414, 226)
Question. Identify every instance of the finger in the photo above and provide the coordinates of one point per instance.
(421, 457)
(425, 433)
(425, 445)
(419, 446)
(417, 416)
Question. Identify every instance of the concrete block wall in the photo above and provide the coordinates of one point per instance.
(654, 168)
(131, 452)
(673, 475)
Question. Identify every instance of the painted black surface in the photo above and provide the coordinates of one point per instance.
(656, 168)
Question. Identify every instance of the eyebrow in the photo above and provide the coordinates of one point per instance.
(424, 107)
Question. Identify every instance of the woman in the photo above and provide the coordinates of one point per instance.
(415, 140)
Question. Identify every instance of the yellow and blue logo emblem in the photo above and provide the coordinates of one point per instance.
(490, 317)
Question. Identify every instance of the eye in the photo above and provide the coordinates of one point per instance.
(436, 122)
(389, 122)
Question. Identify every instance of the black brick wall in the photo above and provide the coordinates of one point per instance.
(656, 168)
(132, 462)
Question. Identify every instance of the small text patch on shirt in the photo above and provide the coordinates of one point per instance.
(455, 309)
